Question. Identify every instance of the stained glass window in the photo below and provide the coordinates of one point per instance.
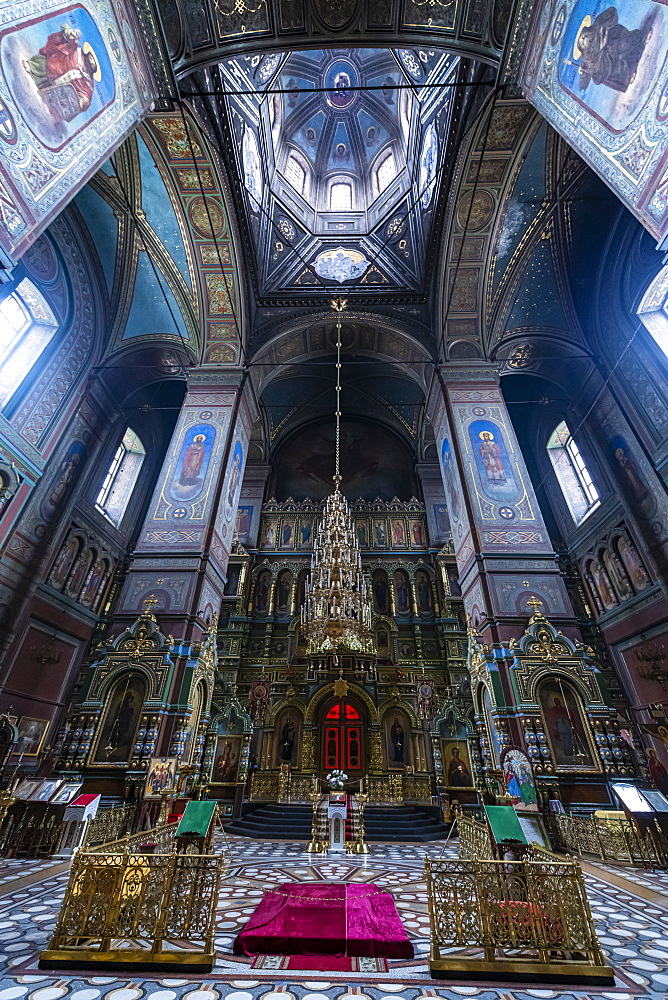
(121, 477)
(572, 473)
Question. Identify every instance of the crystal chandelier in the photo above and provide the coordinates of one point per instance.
(336, 613)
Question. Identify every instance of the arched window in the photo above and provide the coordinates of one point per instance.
(295, 174)
(653, 310)
(572, 474)
(386, 171)
(340, 196)
(121, 477)
(405, 109)
(27, 326)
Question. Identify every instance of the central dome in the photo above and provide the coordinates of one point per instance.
(340, 129)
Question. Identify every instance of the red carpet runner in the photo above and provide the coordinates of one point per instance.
(325, 918)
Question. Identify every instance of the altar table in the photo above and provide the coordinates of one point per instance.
(325, 918)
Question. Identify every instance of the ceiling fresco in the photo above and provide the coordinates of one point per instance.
(599, 75)
(158, 218)
(338, 155)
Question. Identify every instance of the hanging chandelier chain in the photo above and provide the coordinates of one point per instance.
(337, 472)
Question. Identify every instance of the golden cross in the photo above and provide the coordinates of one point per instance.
(536, 605)
(150, 602)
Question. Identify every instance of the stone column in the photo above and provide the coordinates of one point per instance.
(183, 549)
(504, 555)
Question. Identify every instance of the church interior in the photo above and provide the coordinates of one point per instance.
(334, 499)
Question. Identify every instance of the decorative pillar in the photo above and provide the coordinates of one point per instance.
(503, 552)
(183, 549)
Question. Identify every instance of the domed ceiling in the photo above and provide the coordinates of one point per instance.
(338, 157)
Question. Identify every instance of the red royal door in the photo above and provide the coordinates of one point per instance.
(342, 747)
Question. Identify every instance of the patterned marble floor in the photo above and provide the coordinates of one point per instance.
(633, 932)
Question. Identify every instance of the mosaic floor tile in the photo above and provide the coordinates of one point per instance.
(632, 932)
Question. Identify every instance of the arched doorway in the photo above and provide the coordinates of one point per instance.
(342, 742)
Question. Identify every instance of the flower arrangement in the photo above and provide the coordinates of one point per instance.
(336, 779)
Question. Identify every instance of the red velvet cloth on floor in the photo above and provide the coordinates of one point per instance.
(325, 918)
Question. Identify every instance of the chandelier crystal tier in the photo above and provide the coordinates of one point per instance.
(336, 613)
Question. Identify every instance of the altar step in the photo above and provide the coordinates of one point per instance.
(271, 821)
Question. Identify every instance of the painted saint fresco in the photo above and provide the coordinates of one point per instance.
(60, 72)
(598, 71)
(161, 776)
(633, 483)
(449, 480)
(495, 471)
(608, 54)
(233, 484)
(193, 463)
(72, 85)
(287, 732)
(70, 469)
(397, 739)
(565, 726)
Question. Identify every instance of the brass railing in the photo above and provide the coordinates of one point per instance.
(492, 918)
(609, 839)
(301, 787)
(388, 790)
(392, 789)
(110, 824)
(281, 786)
(31, 832)
(417, 789)
(133, 908)
(475, 840)
(265, 785)
(161, 839)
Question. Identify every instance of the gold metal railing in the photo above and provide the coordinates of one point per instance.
(110, 824)
(281, 786)
(388, 790)
(417, 789)
(301, 787)
(161, 837)
(128, 909)
(609, 839)
(475, 840)
(285, 786)
(265, 785)
(495, 918)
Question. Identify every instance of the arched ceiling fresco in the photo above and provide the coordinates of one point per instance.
(158, 218)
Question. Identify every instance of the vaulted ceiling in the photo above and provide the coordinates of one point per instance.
(337, 158)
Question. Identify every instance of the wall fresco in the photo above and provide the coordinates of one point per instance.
(598, 71)
(193, 462)
(73, 84)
